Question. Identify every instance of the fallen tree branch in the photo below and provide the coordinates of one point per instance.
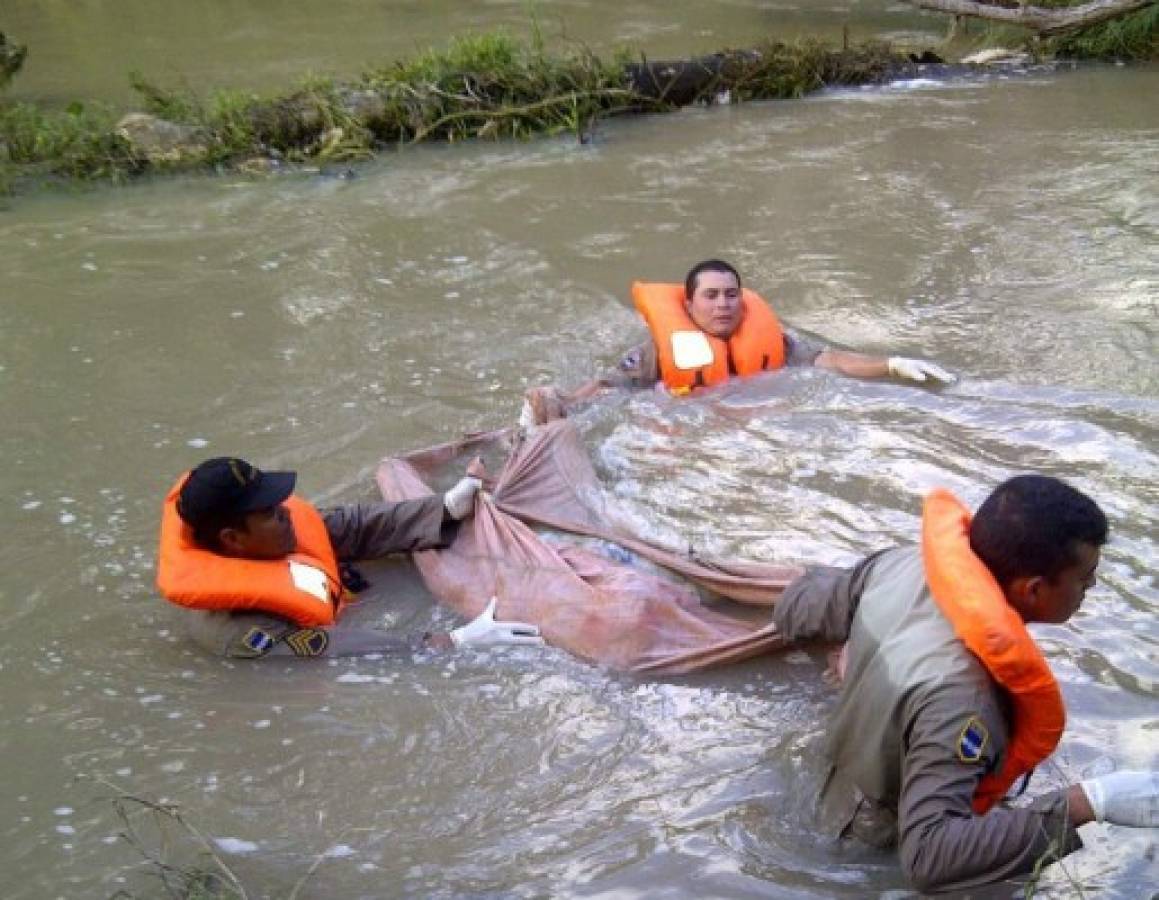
(421, 134)
(1045, 21)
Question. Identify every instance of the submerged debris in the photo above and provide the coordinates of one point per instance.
(11, 59)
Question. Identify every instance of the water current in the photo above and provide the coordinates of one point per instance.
(1006, 227)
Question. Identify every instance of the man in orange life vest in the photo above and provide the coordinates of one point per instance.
(709, 330)
(259, 569)
(946, 701)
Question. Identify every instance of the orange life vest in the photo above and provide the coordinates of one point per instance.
(304, 587)
(758, 344)
(972, 600)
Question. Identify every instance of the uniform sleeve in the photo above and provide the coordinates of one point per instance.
(339, 641)
(819, 606)
(369, 530)
(953, 740)
(257, 635)
(800, 350)
(638, 368)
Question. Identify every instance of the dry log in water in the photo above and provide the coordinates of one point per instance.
(1046, 21)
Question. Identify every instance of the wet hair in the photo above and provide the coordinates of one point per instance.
(1031, 525)
(708, 265)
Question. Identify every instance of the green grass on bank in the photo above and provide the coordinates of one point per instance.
(488, 85)
(1133, 37)
(480, 86)
(76, 142)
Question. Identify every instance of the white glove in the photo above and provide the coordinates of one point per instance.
(527, 419)
(485, 630)
(460, 499)
(918, 370)
(1125, 798)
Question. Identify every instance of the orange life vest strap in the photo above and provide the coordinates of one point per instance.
(970, 597)
(192, 576)
(758, 344)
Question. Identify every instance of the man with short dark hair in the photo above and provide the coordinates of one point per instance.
(711, 329)
(262, 573)
(946, 701)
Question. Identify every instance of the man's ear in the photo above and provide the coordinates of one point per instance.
(230, 540)
(1022, 594)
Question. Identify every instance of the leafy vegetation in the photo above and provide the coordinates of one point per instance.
(493, 86)
(485, 86)
(1133, 37)
(76, 142)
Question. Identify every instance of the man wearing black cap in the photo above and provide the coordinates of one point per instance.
(259, 567)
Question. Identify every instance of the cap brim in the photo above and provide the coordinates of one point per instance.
(274, 489)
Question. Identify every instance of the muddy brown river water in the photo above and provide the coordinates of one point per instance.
(1006, 227)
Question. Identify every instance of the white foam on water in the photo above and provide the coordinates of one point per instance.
(235, 845)
(354, 678)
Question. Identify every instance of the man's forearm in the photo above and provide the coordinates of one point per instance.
(819, 606)
(857, 365)
(585, 391)
(1078, 806)
(367, 641)
(370, 530)
(955, 852)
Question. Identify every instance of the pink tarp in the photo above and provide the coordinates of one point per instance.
(598, 608)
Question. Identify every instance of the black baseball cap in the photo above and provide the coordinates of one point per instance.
(226, 486)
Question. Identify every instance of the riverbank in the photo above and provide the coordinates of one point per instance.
(487, 86)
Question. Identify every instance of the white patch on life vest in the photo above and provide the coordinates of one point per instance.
(309, 579)
(691, 350)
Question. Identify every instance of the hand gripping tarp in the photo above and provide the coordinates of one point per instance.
(597, 608)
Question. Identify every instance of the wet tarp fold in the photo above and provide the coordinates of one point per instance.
(597, 605)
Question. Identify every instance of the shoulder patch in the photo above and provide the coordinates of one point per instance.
(259, 641)
(630, 362)
(308, 641)
(972, 741)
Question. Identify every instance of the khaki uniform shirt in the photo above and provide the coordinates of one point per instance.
(357, 531)
(917, 724)
(640, 366)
